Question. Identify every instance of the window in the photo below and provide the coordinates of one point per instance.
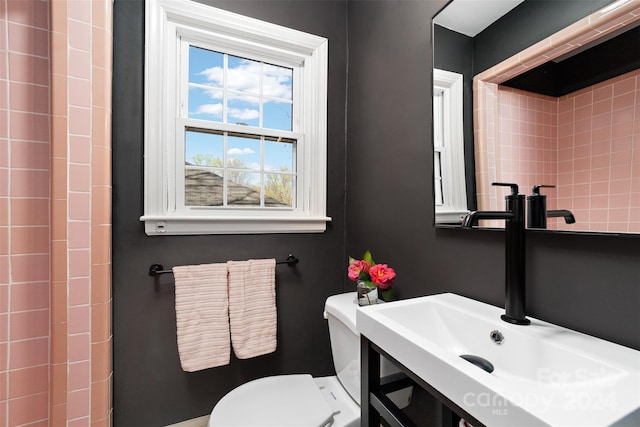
(235, 124)
(448, 145)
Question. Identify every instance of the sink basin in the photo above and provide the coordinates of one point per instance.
(543, 374)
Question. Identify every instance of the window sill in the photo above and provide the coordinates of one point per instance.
(171, 225)
(450, 216)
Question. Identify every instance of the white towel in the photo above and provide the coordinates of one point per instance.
(252, 307)
(202, 316)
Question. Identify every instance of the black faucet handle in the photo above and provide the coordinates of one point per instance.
(537, 187)
(514, 187)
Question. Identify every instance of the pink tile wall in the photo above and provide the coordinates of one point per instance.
(527, 132)
(81, 236)
(55, 203)
(24, 213)
(599, 155)
(592, 154)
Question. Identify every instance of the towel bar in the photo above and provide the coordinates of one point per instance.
(158, 269)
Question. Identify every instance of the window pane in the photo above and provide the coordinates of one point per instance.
(243, 152)
(438, 119)
(437, 177)
(277, 115)
(205, 103)
(203, 149)
(278, 190)
(243, 188)
(203, 186)
(239, 91)
(277, 82)
(243, 110)
(278, 156)
(243, 75)
(205, 67)
(257, 94)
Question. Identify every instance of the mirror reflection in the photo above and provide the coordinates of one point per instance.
(556, 104)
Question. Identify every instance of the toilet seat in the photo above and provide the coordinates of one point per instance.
(280, 401)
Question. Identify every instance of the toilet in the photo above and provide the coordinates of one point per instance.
(301, 400)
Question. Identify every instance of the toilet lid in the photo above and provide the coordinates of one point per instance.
(280, 401)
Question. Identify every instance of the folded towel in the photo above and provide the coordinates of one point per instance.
(202, 316)
(252, 307)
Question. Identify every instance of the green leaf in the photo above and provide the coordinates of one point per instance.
(365, 276)
(352, 260)
(387, 294)
(368, 257)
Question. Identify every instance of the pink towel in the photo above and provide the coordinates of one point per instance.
(202, 316)
(252, 307)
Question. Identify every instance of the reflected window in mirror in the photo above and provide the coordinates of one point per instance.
(448, 147)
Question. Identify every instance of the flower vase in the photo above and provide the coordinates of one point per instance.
(367, 293)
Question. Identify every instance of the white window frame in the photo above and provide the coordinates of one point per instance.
(166, 22)
(454, 189)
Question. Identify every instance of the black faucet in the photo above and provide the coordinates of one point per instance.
(537, 212)
(513, 216)
(567, 214)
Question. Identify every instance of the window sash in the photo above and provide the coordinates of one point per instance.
(438, 147)
(184, 123)
(182, 62)
(448, 145)
(179, 195)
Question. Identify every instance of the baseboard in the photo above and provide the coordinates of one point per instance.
(195, 422)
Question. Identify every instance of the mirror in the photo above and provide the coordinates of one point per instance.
(585, 142)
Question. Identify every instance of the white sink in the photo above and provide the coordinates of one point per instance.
(543, 374)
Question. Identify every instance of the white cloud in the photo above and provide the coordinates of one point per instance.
(245, 77)
(276, 82)
(213, 74)
(239, 151)
(240, 114)
(213, 93)
(212, 109)
(236, 97)
(243, 114)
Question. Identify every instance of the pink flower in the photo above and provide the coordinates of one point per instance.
(357, 267)
(382, 275)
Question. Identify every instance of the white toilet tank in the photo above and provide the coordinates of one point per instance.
(340, 312)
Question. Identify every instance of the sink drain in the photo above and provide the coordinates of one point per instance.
(496, 336)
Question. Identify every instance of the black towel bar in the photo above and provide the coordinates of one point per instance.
(158, 269)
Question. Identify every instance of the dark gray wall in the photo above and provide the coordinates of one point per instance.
(584, 282)
(532, 21)
(150, 388)
(601, 62)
